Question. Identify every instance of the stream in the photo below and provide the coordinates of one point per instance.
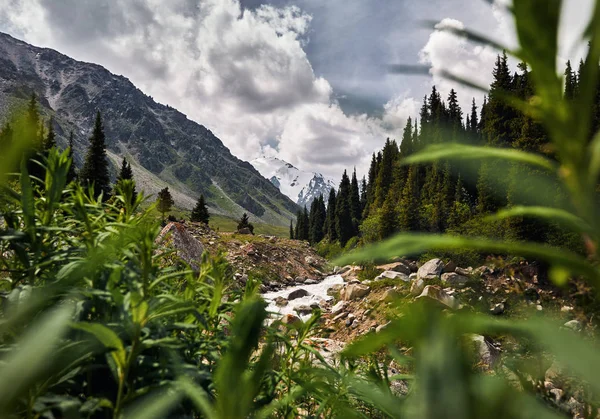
(316, 293)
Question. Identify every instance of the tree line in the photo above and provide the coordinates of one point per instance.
(451, 196)
(95, 172)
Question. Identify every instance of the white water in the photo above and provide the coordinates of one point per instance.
(316, 293)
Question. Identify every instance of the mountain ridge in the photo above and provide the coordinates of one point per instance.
(165, 146)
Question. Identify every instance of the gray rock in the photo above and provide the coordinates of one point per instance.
(303, 310)
(401, 268)
(393, 275)
(340, 316)
(311, 281)
(354, 292)
(498, 309)
(463, 271)
(390, 295)
(244, 230)
(290, 319)
(381, 327)
(310, 260)
(335, 290)
(176, 236)
(436, 294)
(338, 308)
(281, 302)
(487, 353)
(299, 293)
(431, 270)
(574, 325)
(417, 287)
(449, 267)
(454, 280)
(413, 276)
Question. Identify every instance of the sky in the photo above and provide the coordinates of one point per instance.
(307, 81)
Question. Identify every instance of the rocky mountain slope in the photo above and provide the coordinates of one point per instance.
(300, 186)
(164, 146)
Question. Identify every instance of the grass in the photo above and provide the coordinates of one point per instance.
(228, 224)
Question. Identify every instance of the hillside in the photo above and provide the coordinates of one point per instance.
(164, 146)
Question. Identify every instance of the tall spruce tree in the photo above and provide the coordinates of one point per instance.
(343, 222)
(384, 172)
(50, 139)
(200, 212)
(299, 226)
(355, 207)
(317, 220)
(363, 195)
(409, 215)
(371, 186)
(292, 235)
(330, 223)
(95, 168)
(570, 82)
(126, 173)
(305, 224)
(72, 173)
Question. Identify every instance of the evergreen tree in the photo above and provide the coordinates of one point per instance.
(164, 202)
(330, 223)
(355, 207)
(409, 218)
(71, 174)
(292, 236)
(95, 168)
(33, 118)
(363, 195)
(126, 173)
(200, 212)
(343, 221)
(570, 82)
(371, 186)
(384, 172)
(474, 123)
(299, 226)
(305, 225)
(245, 223)
(317, 220)
(387, 217)
(406, 146)
(50, 140)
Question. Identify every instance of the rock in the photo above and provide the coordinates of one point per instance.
(290, 319)
(354, 292)
(381, 327)
(435, 293)
(338, 308)
(464, 272)
(413, 276)
(539, 307)
(345, 269)
(574, 325)
(244, 230)
(281, 302)
(413, 267)
(340, 316)
(390, 295)
(566, 309)
(303, 310)
(311, 281)
(498, 309)
(300, 280)
(449, 267)
(175, 236)
(334, 291)
(311, 260)
(401, 268)
(487, 353)
(482, 270)
(454, 280)
(349, 321)
(431, 269)
(417, 287)
(299, 293)
(393, 275)
(273, 239)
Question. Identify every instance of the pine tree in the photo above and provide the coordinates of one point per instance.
(387, 217)
(355, 207)
(95, 168)
(200, 212)
(126, 173)
(343, 221)
(570, 82)
(164, 202)
(330, 223)
(71, 174)
(305, 225)
(384, 172)
(292, 236)
(363, 195)
(50, 140)
(409, 218)
(33, 119)
(317, 220)
(299, 226)
(371, 186)
(406, 146)
(245, 223)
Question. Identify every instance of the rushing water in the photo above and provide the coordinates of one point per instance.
(316, 293)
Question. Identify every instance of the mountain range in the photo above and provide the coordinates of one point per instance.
(164, 147)
(300, 186)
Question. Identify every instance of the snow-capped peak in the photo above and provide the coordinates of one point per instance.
(300, 186)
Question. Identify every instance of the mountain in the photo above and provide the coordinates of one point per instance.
(302, 187)
(164, 147)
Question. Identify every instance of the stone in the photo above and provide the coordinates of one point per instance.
(413, 276)
(417, 287)
(381, 327)
(311, 281)
(299, 293)
(281, 302)
(311, 260)
(401, 268)
(176, 237)
(431, 270)
(454, 280)
(487, 353)
(566, 309)
(436, 294)
(338, 308)
(390, 295)
(463, 271)
(574, 325)
(303, 310)
(342, 271)
(349, 322)
(539, 307)
(244, 230)
(340, 316)
(300, 280)
(498, 309)
(393, 275)
(482, 270)
(334, 291)
(449, 267)
(290, 319)
(354, 292)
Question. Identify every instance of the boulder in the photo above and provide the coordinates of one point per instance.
(417, 287)
(449, 267)
(176, 236)
(464, 272)
(431, 270)
(290, 319)
(381, 327)
(340, 316)
(281, 302)
(393, 275)
(390, 295)
(413, 276)
(436, 294)
(334, 291)
(354, 292)
(303, 310)
(402, 268)
(311, 260)
(338, 308)
(498, 309)
(454, 280)
(299, 293)
(342, 271)
(488, 355)
(244, 230)
(311, 281)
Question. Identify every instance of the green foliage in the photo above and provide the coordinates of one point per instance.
(245, 223)
(94, 172)
(164, 202)
(200, 212)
